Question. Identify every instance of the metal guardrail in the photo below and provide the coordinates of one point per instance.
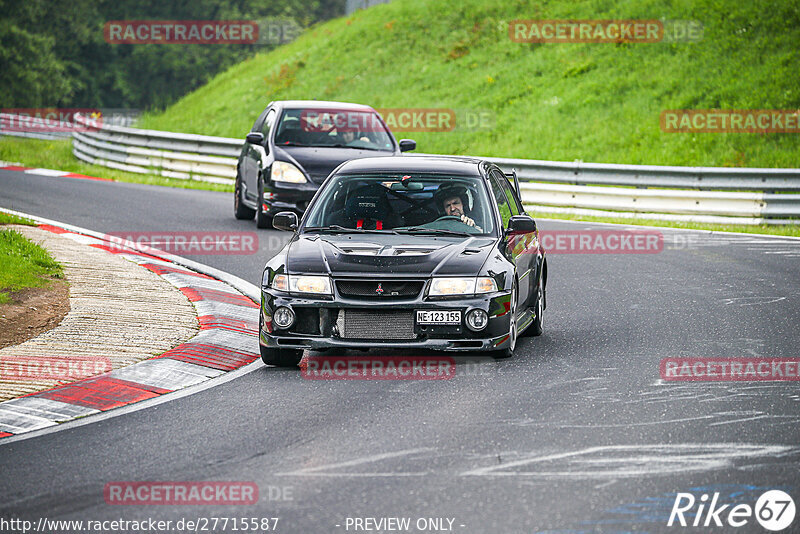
(710, 194)
(183, 156)
(702, 178)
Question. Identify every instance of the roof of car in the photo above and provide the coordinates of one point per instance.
(321, 104)
(460, 165)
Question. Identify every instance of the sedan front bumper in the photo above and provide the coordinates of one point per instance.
(318, 323)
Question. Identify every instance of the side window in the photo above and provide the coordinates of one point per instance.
(509, 191)
(501, 199)
(270, 120)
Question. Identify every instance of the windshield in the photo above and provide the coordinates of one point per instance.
(414, 204)
(333, 128)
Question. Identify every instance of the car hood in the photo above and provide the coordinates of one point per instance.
(318, 162)
(387, 255)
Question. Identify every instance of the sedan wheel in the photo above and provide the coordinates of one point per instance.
(240, 211)
(512, 330)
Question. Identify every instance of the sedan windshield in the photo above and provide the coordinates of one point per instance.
(361, 130)
(403, 204)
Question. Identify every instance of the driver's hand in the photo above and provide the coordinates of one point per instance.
(469, 222)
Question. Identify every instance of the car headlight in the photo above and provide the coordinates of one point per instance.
(283, 171)
(319, 285)
(462, 286)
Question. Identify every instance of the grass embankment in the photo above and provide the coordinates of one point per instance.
(23, 264)
(562, 102)
(58, 155)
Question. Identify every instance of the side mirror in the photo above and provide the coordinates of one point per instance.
(285, 220)
(255, 138)
(407, 144)
(520, 224)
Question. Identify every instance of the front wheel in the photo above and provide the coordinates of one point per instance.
(281, 357)
(240, 211)
(262, 219)
(536, 328)
(512, 328)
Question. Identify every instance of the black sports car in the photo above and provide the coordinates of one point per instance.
(294, 145)
(427, 252)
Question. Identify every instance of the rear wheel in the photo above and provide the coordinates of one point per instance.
(281, 357)
(240, 211)
(262, 219)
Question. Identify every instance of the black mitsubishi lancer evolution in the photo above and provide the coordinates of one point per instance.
(406, 252)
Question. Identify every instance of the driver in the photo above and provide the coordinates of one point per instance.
(348, 136)
(453, 200)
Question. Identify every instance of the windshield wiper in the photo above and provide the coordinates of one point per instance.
(423, 230)
(337, 229)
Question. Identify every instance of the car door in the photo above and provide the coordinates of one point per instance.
(517, 247)
(256, 155)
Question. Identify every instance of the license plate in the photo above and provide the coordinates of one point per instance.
(439, 317)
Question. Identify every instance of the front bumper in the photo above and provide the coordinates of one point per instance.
(279, 196)
(315, 326)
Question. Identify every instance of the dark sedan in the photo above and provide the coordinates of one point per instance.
(294, 145)
(426, 252)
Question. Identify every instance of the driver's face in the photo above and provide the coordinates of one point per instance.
(453, 206)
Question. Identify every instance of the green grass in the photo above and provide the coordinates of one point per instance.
(23, 264)
(560, 102)
(788, 230)
(58, 155)
(7, 218)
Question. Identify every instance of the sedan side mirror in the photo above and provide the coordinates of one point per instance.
(255, 138)
(285, 220)
(521, 224)
(407, 145)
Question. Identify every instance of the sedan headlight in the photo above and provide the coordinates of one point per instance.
(283, 171)
(319, 285)
(441, 287)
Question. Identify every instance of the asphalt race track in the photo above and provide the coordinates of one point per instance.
(577, 432)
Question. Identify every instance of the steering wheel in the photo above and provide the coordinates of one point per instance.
(450, 218)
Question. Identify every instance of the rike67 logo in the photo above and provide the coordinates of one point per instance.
(774, 510)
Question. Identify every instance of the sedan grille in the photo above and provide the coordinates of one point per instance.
(376, 325)
(379, 290)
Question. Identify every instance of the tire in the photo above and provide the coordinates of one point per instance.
(262, 219)
(281, 357)
(536, 328)
(512, 330)
(240, 211)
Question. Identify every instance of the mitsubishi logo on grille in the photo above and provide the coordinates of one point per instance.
(379, 290)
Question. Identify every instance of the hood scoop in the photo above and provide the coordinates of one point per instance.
(371, 250)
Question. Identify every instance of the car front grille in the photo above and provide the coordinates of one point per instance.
(379, 290)
(376, 325)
